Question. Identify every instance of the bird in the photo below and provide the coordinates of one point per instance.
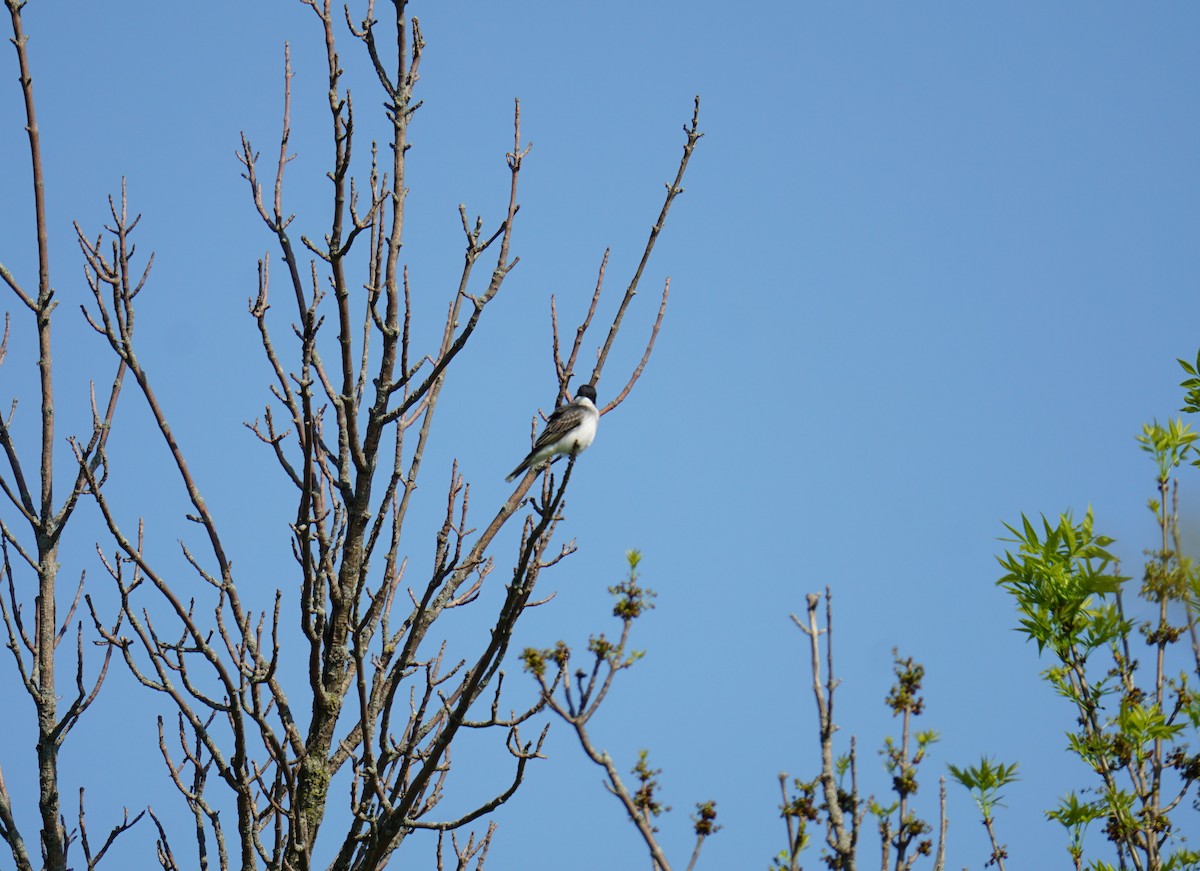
(570, 429)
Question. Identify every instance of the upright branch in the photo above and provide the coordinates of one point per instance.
(842, 808)
(984, 781)
(902, 761)
(674, 189)
(565, 370)
(27, 484)
(833, 796)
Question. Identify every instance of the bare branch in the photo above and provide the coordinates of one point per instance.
(674, 189)
(9, 831)
(125, 825)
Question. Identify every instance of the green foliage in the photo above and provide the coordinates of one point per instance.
(1191, 402)
(1075, 816)
(1056, 577)
(1131, 724)
(1169, 444)
(984, 781)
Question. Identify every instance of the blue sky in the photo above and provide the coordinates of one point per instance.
(931, 270)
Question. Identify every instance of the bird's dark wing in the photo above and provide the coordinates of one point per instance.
(564, 419)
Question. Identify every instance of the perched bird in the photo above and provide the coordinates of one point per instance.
(569, 430)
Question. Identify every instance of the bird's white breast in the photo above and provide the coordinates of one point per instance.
(585, 434)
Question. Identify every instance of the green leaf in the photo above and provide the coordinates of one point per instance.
(984, 781)
(1072, 812)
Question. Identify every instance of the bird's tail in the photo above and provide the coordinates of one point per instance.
(518, 470)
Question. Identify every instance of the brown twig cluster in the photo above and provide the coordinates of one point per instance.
(577, 704)
(832, 799)
(264, 769)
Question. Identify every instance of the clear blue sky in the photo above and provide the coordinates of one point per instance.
(931, 270)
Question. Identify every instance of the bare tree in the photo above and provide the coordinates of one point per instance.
(353, 397)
